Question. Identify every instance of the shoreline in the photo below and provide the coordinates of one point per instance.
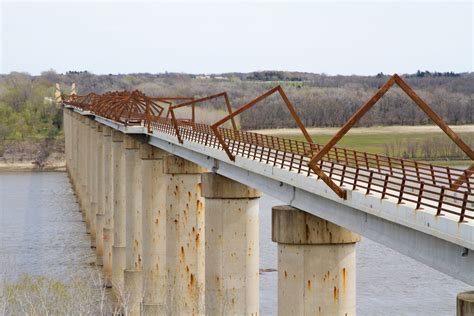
(30, 166)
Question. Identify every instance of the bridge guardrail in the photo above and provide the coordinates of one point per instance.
(447, 190)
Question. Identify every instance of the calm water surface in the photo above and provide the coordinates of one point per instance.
(42, 233)
(41, 228)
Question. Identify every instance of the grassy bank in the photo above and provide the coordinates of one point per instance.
(426, 143)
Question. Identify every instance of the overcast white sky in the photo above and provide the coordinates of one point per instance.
(213, 37)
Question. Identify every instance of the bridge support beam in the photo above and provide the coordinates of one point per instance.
(465, 304)
(155, 276)
(316, 264)
(107, 232)
(118, 216)
(232, 246)
(133, 278)
(185, 237)
(99, 186)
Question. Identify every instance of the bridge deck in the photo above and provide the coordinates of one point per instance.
(407, 193)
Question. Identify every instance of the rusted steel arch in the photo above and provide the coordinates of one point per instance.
(112, 103)
(395, 79)
(168, 101)
(146, 106)
(245, 107)
(464, 179)
(170, 113)
(85, 102)
(193, 103)
(207, 98)
(127, 107)
(103, 103)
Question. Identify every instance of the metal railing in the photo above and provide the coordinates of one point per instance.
(443, 189)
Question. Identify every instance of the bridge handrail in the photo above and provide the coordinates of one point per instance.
(424, 184)
(405, 189)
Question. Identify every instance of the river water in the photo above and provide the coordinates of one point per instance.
(42, 233)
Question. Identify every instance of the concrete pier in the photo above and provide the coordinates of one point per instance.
(67, 126)
(465, 304)
(232, 246)
(155, 275)
(185, 237)
(78, 127)
(316, 264)
(118, 197)
(99, 221)
(133, 279)
(77, 161)
(92, 180)
(85, 149)
(108, 205)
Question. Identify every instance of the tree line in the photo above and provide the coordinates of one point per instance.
(26, 109)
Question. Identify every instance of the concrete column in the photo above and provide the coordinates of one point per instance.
(85, 146)
(316, 264)
(232, 246)
(185, 237)
(92, 180)
(77, 154)
(74, 153)
(67, 135)
(108, 205)
(67, 125)
(70, 151)
(133, 278)
(118, 196)
(465, 304)
(68, 140)
(77, 151)
(154, 231)
(99, 186)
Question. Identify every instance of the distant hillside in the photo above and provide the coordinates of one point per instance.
(321, 100)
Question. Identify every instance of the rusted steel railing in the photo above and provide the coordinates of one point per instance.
(395, 79)
(446, 190)
(294, 156)
(193, 103)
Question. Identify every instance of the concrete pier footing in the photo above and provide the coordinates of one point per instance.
(133, 225)
(316, 264)
(185, 237)
(118, 198)
(155, 277)
(232, 246)
(465, 304)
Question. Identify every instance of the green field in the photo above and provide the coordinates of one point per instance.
(403, 145)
